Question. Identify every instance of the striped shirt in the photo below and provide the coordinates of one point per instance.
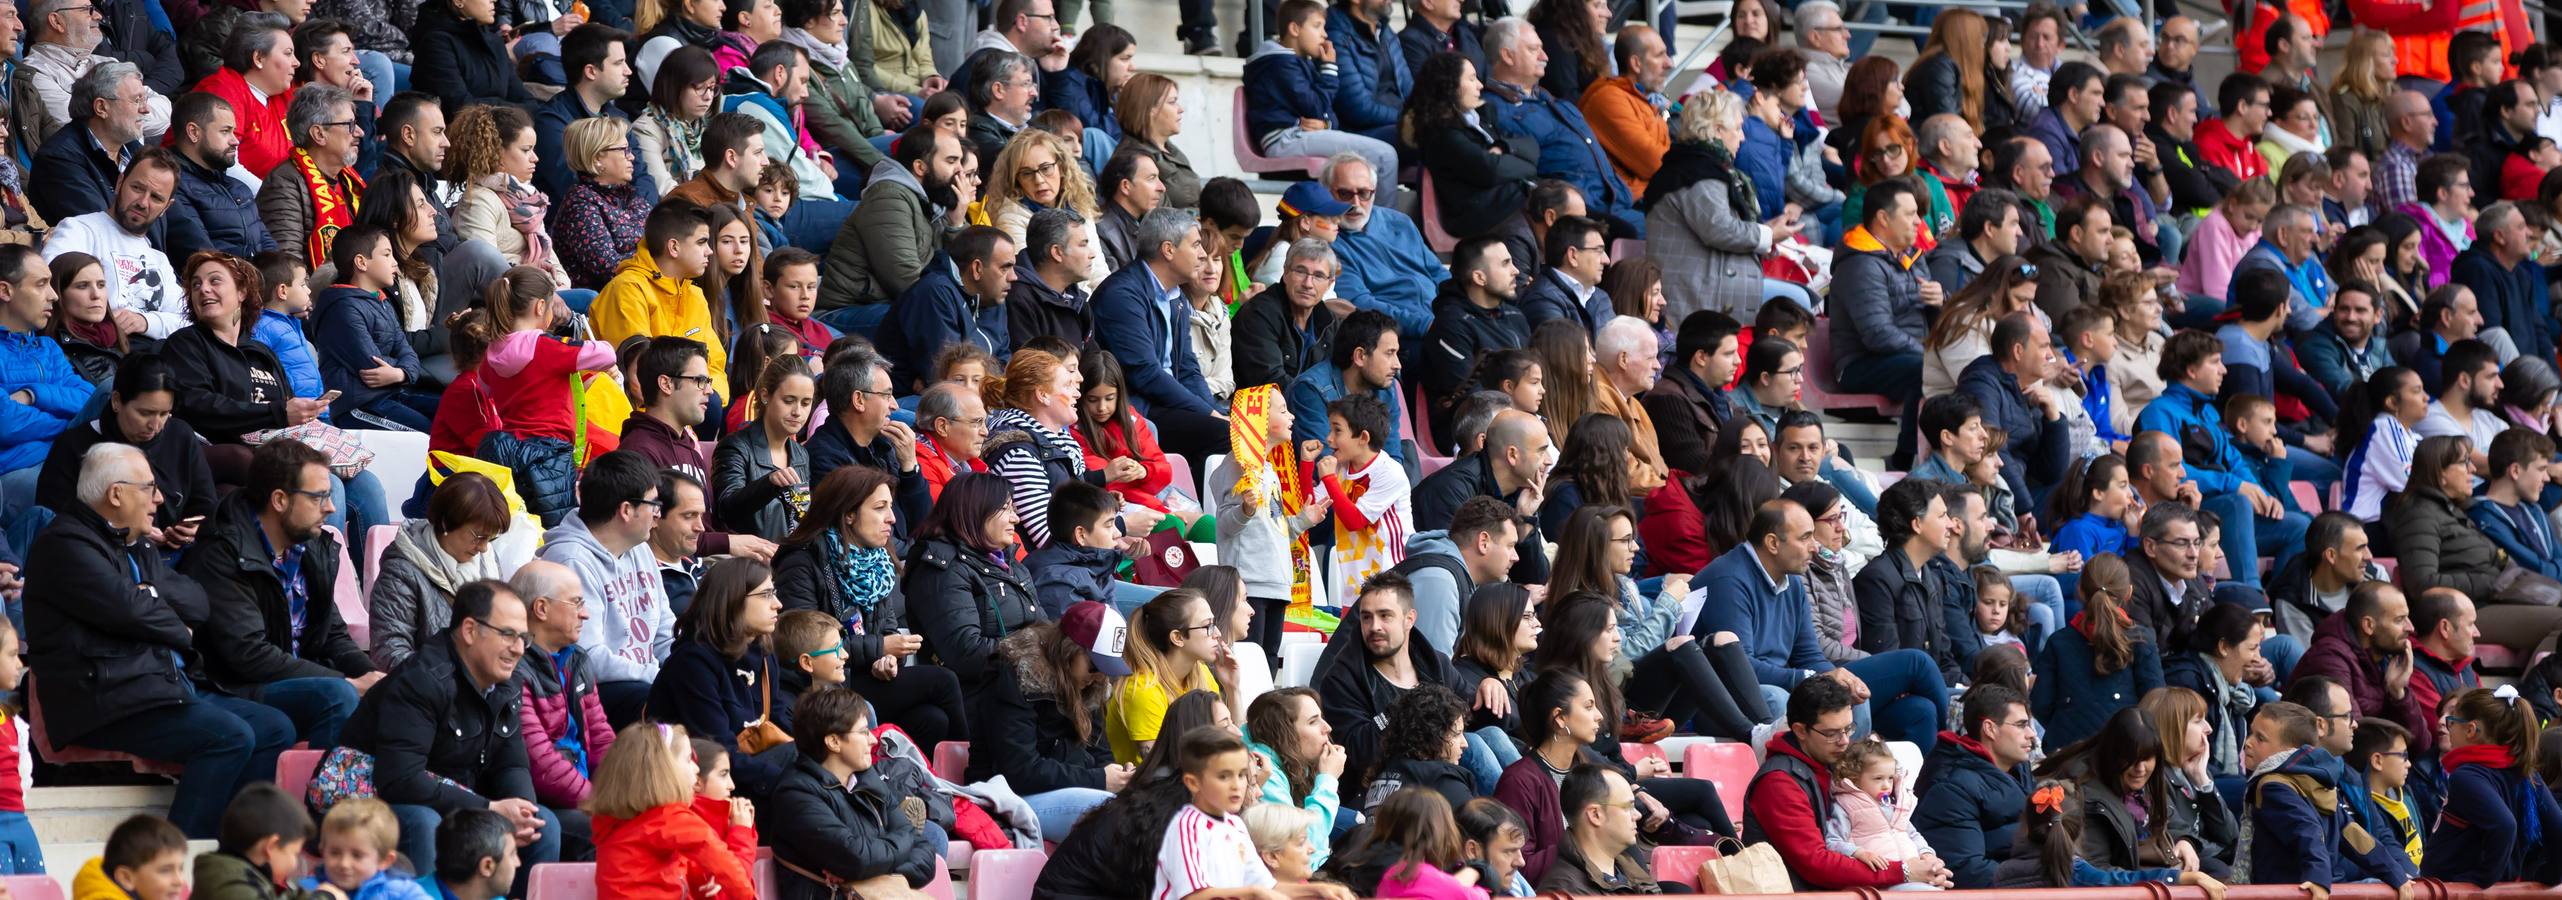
(2379, 467)
(1202, 852)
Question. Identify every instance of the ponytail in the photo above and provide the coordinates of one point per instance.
(2106, 584)
(515, 294)
(2505, 719)
(2364, 402)
(2052, 822)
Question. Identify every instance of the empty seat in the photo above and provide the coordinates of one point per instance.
(1820, 392)
(1005, 874)
(1298, 664)
(951, 758)
(1634, 752)
(294, 769)
(1179, 471)
(939, 889)
(561, 881)
(1681, 863)
(377, 540)
(1730, 766)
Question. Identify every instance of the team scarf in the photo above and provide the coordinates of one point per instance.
(1268, 479)
(329, 211)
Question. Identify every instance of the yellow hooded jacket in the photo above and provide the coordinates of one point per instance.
(93, 884)
(643, 300)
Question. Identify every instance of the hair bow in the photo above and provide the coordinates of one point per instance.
(2507, 693)
(2048, 799)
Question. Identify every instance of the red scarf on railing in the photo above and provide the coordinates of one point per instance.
(329, 210)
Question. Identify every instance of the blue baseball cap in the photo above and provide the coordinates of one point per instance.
(1308, 198)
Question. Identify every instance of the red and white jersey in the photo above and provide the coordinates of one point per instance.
(1203, 852)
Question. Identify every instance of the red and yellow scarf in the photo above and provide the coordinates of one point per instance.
(1265, 469)
(329, 211)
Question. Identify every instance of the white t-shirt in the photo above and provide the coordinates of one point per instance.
(1202, 852)
(2481, 428)
(139, 276)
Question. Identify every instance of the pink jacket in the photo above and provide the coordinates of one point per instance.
(1425, 882)
(544, 717)
(2434, 245)
(1883, 826)
(2213, 251)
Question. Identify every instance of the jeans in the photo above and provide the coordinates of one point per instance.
(225, 742)
(380, 70)
(20, 852)
(2045, 598)
(418, 841)
(402, 409)
(2247, 536)
(1294, 141)
(1058, 810)
(1907, 700)
(812, 224)
(861, 319)
(924, 701)
(1896, 375)
(358, 506)
(1853, 488)
(18, 502)
(2282, 651)
(318, 707)
(1497, 746)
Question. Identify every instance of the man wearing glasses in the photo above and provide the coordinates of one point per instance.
(1386, 264)
(2365, 651)
(1791, 797)
(307, 198)
(66, 41)
(631, 627)
(568, 731)
(1973, 791)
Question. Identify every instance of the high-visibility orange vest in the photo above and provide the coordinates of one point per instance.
(2421, 29)
(2253, 44)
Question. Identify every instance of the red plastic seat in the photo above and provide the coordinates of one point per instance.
(72, 755)
(1821, 392)
(32, 887)
(294, 769)
(1251, 158)
(1729, 766)
(351, 597)
(951, 758)
(1634, 752)
(2306, 498)
(1681, 863)
(561, 881)
(1438, 238)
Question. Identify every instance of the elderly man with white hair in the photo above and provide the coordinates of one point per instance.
(1386, 264)
(63, 40)
(1825, 40)
(559, 690)
(1626, 358)
(1516, 61)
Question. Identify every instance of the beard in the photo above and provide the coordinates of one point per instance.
(944, 194)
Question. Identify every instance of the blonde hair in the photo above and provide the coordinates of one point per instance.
(591, 136)
(1001, 194)
(1860, 755)
(479, 135)
(1274, 825)
(1701, 117)
(363, 817)
(640, 775)
(2357, 74)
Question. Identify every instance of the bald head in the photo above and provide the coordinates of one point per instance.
(555, 602)
(1518, 449)
(2408, 117)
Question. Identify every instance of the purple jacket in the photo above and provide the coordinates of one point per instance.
(2434, 247)
(553, 749)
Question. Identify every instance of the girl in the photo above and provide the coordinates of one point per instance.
(82, 321)
(2195, 810)
(715, 801)
(719, 679)
(2135, 370)
(1281, 837)
(1036, 721)
(1496, 636)
(1565, 362)
(527, 375)
(2379, 422)
(2499, 815)
(2051, 829)
(730, 284)
(427, 296)
(1514, 372)
(1172, 642)
(1871, 820)
(1673, 674)
(669, 133)
(649, 841)
(1592, 469)
(2122, 799)
(1421, 747)
(756, 348)
(1491, 836)
(2098, 665)
(1109, 433)
(1999, 619)
(761, 475)
(1414, 850)
(2095, 506)
(1263, 497)
(1286, 728)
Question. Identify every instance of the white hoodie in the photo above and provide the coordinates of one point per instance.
(630, 626)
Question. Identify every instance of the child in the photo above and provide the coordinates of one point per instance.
(811, 646)
(1206, 850)
(356, 853)
(527, 376)
(365, 353)
(2096, 513)
(1871, 821)
(1083, 552)
(1280, 834)
(1998, 619)
(773, 198)
(2051, 832)
(649, 842)
(2299, 828)
(1110, 432)
(1265, 509)
(791, 295)
(716, 798)
(1290, 83)
(2381, 751)
(476, 856)
(2497, 824)
(281, 311)
(259, 851)
(1413, 848)
(146, 859)
(758, 345)
(2089, 335)
(2253, 419)
(1373, 502)
(1492, 836)
(654, 292)
(21, 853)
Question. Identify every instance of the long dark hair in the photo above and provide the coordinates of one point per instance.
(1273, 721)
(1567, 23)
(737, 301)
(386, 204)
(1154, 793)
(1100, 368)
(960, 515)
(1574, 622)
(724, 595)
(1485, 629)
(1074, 690)
(1726, 508)
(1433, 104)
(1094, 51)
(1595, 459)
(2051, 824)
(2072, 496)
(2103, 759)
(2106, 588)
(2364, 402)
(65, 269)
(1582, 548)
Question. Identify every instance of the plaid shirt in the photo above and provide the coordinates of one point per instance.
(2396, 178)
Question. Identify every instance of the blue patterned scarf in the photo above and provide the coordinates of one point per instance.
(864, 575)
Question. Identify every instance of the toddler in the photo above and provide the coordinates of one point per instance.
(357, 841)
(1872, 818)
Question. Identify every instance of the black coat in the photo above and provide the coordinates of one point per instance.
(1268, 348)
(806, 580)
(1033, 310)
(1450, 780)
(214, 211)
(177, 462)
(463, 62)
(2151, 606)
(248, 643)
(714, 695)
(962, 602)
(1342, 680)
(1437, 498)
(437, 740)
(816, 823)
(1969, 809)
(226, 389)
(1907, 607)
(103, 643)
(1478, 177)
(79, 178)
(1462, 332)
(1689, 416)
(128, 34)
(1023, 727)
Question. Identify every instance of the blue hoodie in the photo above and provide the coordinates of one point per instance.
(2292, 839)
(283, 334)
(353, 327)
(1282, 87)
(1064, 573)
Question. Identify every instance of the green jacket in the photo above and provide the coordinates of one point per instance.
(885, 245)
(839, 113)
(222, 876)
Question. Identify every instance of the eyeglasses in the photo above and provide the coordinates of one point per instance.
(829, 650)
(1310, 275)
(2181, 543)
(875, 393)
(1598, 248)
(1836, 519)
(768, 592)
(1356, 195)
(348, 124)
(1626, 539)
(1047, 168)
(2021, 723)
(151, 486)
(1835, 735)
(653, 503)
(1792, 371)
(316, 496)
(519, 638)
(700, 381)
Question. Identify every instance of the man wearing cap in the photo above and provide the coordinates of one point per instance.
(1029, 724)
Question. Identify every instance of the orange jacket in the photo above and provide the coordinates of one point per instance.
(2422, 28)
(1630, 129)
(672, 853)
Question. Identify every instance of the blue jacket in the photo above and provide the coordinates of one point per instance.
(2074, 699)
(352, 328)
(1548, 298)
(214, 211)
(1764, 158)
(1321, 385)
(1282, 87)
(2531, 547)
(551, 162)
(1375, 78)
(284, 335)
(2189, 416)
(1388, 267)
(2513, 298)
(2491, 827)
(77, 177)
(2308, 285)
(1969, 809)
(2255, 366)
(2090, 535)
(1064, 573)
(932, 313)
(1072, 89)
(2040, 449)
(35, 364)
(1567, 150)
(1152, 337)
(2294, 841)
(1777, 626)
(2332, 363)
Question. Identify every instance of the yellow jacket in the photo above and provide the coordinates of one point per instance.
(93, 884)
(640, 300)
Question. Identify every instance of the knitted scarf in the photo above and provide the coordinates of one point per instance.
(527, 207)
(330, 210)
(101, 333)
(834, 56)
(1689, 163)
(864, 575)
(684, 144)
(1268, 480)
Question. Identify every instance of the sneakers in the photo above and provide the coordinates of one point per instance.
(1641, 727)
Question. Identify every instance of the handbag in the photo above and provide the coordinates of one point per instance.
(1753, 870)
(1168, 561)
(2526, 587)
(762, 735)
(347, 456)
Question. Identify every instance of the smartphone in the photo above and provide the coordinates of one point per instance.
(328, 397)
(190, 520)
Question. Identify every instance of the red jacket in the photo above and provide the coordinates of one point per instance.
(937, 466)
(1796, 828)
(1141, 446)
(2228, 151)
(461, 424)
(669, 853)
(264, 142)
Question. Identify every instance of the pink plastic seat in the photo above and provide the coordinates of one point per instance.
(1250, 157)
(561, 881)
(951, 759)
(32, 887)
(294, 769)
(377, 540)
(44, 745)
(1180, 471)
(1005, 874)
(351, 597)
(1634, 752)
(1439, 238)
(1729, 766)
(1821, 392)
(2306, 498)
(939, 889)
(1681, 863)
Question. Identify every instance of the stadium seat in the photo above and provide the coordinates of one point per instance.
(400, 463)
(562, 881)
(1681, 863)
(351, 596)
(1730, 766)
(2392, 568)
(32, 887)
(377, 540)
(951, 759)
(1438, 238)
(1208, 466)
(1627, 248)
(2306, 498)
(1179, 473)
(764, 873)
(1298, 664)
(1005, 874)
(1251, 158)
(1821, 392)
(1634, 752)
(939, 889)
(63, 756)
(1908, 763)
(294, 769)
(1254, 672)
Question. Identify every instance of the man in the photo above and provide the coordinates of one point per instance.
(907, 208)
(1882, 303)
(951, 434)
(2345, 350)
(1975, 784)
(859, 431)
(2508, 120)
(2255, 523)
(1951, 153)
(2445, 629)
(1906, 586)
(2107, 174)
(1365, 360)
(63, 47)
(2289, 237)
(1375, 76)
(1003, 95)
(1435, 27)
(2367, 650)
(1131, 187)
(256, 79)
(2344, 197)
(633, 627)
(559, 685)
(2041, 52)
(79, 164)
(735, 155)
(46, 393)
(1991, 227)
(2335, 714)
(2008, 383)
(1048, 296)
(2170, 592)
(675, 389)
(1517, 61)
(1792, 795)
(2175, 54)
(142, 287)
(1446, 567)
(1627, 111)
(414, 141)
(960, 299)
(1799, 453)
(672, 541)
(475, 857)
(2508, 283)
(1370, 663)
(2412, 127)
(1526, 235)
(2125, 48)
(2336, 559)
(1602, 815)
(1569, 285)
(1690, 404)
(2075, 98)
(1824, 41)
(443, 729)
(270, 574)
(2231, 143)
(1627, 357)
(1386, 264)
(211, 210)
(1022, 27)
(1512, 468)
(2447, 319)
(1289, 328)
(2070, 267)
(2155, 472)
(313, 194)
(2294, 52)
(1142, 316)
(2195, 186)
(600, 72)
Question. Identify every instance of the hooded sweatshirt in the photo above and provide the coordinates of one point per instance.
(356, 329)
(633, 627)
(669, 853)
(1282, 87)
(644, 300)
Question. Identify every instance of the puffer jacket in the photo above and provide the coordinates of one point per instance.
(381, 26)
(213, 211)
(840, 115)
(1566, 148)
(669, 853)
(561, 747)
(643, 300)
(1877, 301)
(1024, 725)
(118, 622)
(1970, 808)
(884, 246)
(2075, 700)
(413, 596)
(2039, 450)
(463, 63)
(820, 824)
(284, 335)
(1374, 80)
(963, 601)
(2439, 546)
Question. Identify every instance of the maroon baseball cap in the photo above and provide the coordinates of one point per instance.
(1103, 633)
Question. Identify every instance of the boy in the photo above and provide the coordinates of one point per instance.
(2253, 419)
(146, 859)
(773, 198)
(1289, 93)
(1373, 502)
(1207, 850)
(811, 645)
(2521, 464)
(356, 853)
(284, 301)
(475, 857)
(2300, 828)
(1080, 567)
(791, 294)
(1255, 491)
(2089, 334)
(653, 292)
(365, 353)
(259, 850)
(2382, 750)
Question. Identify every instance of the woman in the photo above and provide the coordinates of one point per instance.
(1172, 642)
(429, 560)
(1701, 215)
(1742, 484)
(730, 285)
(2496, 824)
(2215, 666)
(1670, 674)
(1478, 177)
(2195, 810)
(2305, 183)
(1565, 364)
(2437, 543)
(1592, 469)
(397, 203)
(462, 56)
(1962, 70)
(2406, 270)
(2529, 389)
(2379, 424)
(2294, 126)
(83, 322)
(1752, 22)
(1426, 736)
(1828, 592)
(493, 157)
(838, 114)
(2358, 94)
(761, 474)
(1151, 113)
(670, 24)
(832, 821)
(1286, 728)
(669, 133)
(2222, 237)
(2135, 370)
(1572, 32)
(1869, 91)
(1105, 58)
(2098, 665)
(1636, 289)
(2123, 824)
(1036, 723)
(1030, 437)
(137, 415)
(1963, 332)
(1562, 726)
(964, 588)
(603, 214)
(718, 682)
(1497, 633)
(1035, 172)
(900, 57)
(1889, 149)
(839, 562)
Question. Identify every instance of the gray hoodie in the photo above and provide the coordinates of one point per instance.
(630, 626)
(1257, 545)
(1440, 601)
